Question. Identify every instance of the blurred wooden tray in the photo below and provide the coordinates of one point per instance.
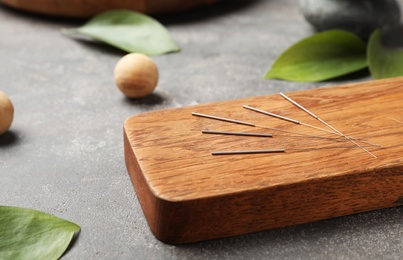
(189, 195)
(85, 9)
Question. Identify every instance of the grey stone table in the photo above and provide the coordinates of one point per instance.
(64, 152)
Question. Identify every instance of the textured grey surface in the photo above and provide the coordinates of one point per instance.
(64, 153)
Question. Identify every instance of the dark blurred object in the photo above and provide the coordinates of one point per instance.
(358, 16)
(85, 9)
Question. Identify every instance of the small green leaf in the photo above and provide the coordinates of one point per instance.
(383, 62)
(129, 31)
(320, 57)
(31, 234)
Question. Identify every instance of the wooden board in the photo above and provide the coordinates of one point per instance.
(189, 195)
(88, 8)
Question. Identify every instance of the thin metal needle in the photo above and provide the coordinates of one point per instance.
(223, 119)
(394, 119)
(287, 119)
(318, 118)
(236, 133)
(301, 123)
(248, 152)
(298, 105)
(229, 120)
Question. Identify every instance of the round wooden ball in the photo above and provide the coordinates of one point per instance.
(6, 113)
(136, 75)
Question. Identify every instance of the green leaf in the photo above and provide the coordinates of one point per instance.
(31, 234)
(322, 56)
(129, 31)
(383, 62)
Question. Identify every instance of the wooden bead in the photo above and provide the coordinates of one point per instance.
(6, 113)
(136, 75)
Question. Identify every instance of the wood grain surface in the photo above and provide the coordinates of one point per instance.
(189, 195)
(85, 8)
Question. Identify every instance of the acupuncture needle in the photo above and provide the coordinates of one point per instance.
(287, 119)
(331, 127)
(300, 123)
(229, 120)
(394, 119)
(248, 152)
(224, 119)
(236, 133)
(281, 150)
